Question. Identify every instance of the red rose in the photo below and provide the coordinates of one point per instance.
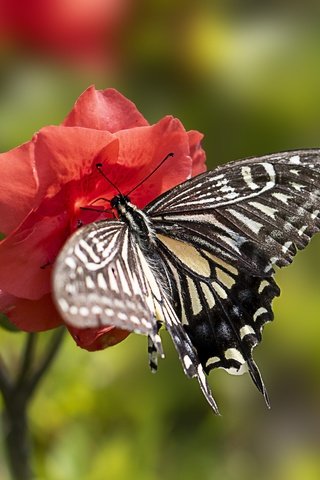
(45, 182)
(80, 30)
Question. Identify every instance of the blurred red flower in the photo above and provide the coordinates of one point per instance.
(84, 31)
(45, 182)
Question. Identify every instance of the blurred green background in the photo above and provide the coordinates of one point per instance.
(246, 74)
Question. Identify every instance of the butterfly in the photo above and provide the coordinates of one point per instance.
(199, 259)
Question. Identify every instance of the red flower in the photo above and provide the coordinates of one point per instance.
(80, 30)
(45, 182)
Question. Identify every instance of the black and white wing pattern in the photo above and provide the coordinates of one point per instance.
(199, 259)
(220, 234)
(107, 284)
(103, 276)
(271, 201)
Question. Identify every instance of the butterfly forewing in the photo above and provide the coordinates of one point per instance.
(274, 209)
(99, 280)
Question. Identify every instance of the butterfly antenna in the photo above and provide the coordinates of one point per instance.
(151, 173)
(99, 168)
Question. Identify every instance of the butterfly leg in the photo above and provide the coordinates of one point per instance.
(153, 356)
(155, 349)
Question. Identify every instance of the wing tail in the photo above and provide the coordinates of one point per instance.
(257, 380)
(188, 356)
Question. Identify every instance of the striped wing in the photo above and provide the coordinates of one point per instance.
(103, 277)
(99, 279)
(222, 309)
(252, 213)
(220, 234)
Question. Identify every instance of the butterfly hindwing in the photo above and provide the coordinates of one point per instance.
(222, 310)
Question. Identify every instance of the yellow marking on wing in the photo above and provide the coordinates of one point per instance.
(222, 263)
(219, 290)
(208, 295)
(224, 278)
(263, 285)
(195, 300)
(187, 254)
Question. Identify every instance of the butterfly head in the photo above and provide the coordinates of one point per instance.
(119, 200)
(120, 203)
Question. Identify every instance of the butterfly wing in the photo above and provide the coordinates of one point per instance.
(210, 278)
(99, 280)
(222, 310)
(268, 204)
(103, 276)
(220, 234)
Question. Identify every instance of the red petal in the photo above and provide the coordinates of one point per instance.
(17, 186)
(93, 339)
(28, 253)
(104, 110)
(34, 315)
(65, 154)
(197, 153)
(6, 300)
(141, 151)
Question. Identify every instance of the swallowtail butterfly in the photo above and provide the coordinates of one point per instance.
(199, 259)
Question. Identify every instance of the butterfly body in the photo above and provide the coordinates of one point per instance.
(137, 221)
(199, 259)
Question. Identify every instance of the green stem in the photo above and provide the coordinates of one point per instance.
(17, 393)
(17, 438)
(46, 361)
(27, 358)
